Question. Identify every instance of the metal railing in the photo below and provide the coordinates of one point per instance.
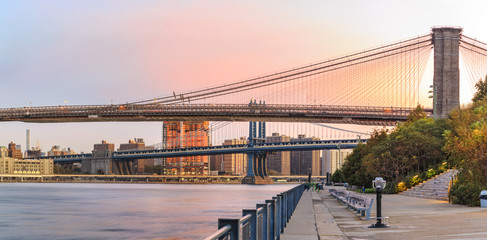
(266, 222)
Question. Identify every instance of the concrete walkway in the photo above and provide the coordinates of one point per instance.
(320, 216)
(312, 220)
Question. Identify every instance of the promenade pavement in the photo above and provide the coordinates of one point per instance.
(320, 216)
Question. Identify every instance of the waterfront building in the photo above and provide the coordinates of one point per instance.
(14, 151)
(279, 162)
(100, 149)
(303, 161)
(9, 165)
(138, 164)
(179, 134)
(333, 159)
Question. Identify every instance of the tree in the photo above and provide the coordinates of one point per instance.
(412, 147)
(353, 169)
(337, 176)
(481, 93)
(466, 142)
(416, 114)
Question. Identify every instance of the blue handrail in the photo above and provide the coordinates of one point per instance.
(266, 222)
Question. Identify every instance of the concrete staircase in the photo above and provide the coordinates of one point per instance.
(434, 188)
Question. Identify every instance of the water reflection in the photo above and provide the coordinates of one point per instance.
(122, 211)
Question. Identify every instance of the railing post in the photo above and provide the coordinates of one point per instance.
(289, 204)
(265, 223)
(283, 216)
(278, 215)
(234, 223)
(272, 219)
(253, 222)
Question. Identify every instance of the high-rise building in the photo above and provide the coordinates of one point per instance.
(235, 164)
(179, 134)
(217, 165)
(27, 140)
(279, 161)
(303, 161)
(14, 151)
(333, 159)
(139, 164)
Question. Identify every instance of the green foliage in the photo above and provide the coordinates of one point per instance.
(390, 188)
(466, 143)
(338, 176)
(481, 87)
(466, 192)
(370, 190)
(430, 173)
(443, 167)
(412, 147)
(415, 180)
(416, 114)
(354, 171)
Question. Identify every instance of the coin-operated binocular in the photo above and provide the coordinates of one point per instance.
(379, 184)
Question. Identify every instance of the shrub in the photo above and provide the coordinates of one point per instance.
(466, 193)
(430, 173)
(414, 180)
(443, 167)
(390, 188)
(401, 187)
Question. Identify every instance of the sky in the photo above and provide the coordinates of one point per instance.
(117, 51)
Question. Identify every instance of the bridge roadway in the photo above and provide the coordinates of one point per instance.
(209, 112)
(215, 150)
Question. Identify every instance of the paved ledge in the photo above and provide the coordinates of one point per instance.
(320, 216)
(412, 218)
(312, 220)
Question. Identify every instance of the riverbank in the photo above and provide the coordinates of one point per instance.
(155, 179)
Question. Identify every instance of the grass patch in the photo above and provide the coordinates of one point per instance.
(367, 190)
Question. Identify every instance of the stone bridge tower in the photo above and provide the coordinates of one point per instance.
(446, 79)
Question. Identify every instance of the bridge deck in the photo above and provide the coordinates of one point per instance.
(209, 112)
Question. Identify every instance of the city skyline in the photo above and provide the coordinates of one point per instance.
(121, 51)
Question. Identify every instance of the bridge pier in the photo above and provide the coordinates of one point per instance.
(256, 166)
(123, 167)
(446, 79)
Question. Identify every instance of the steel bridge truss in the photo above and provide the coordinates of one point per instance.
(210, 112)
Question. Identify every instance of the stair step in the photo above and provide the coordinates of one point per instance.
(435, 188)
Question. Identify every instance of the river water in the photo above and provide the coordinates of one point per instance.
(123, 211)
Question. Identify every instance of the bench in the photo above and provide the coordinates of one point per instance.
(356, 202)
(340, 195)
(361, 204)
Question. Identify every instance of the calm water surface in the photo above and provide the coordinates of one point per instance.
(122, 211)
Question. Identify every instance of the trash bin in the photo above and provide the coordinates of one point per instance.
(483, 198)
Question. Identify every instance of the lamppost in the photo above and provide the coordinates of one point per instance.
(379, 184)
(433, 95)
